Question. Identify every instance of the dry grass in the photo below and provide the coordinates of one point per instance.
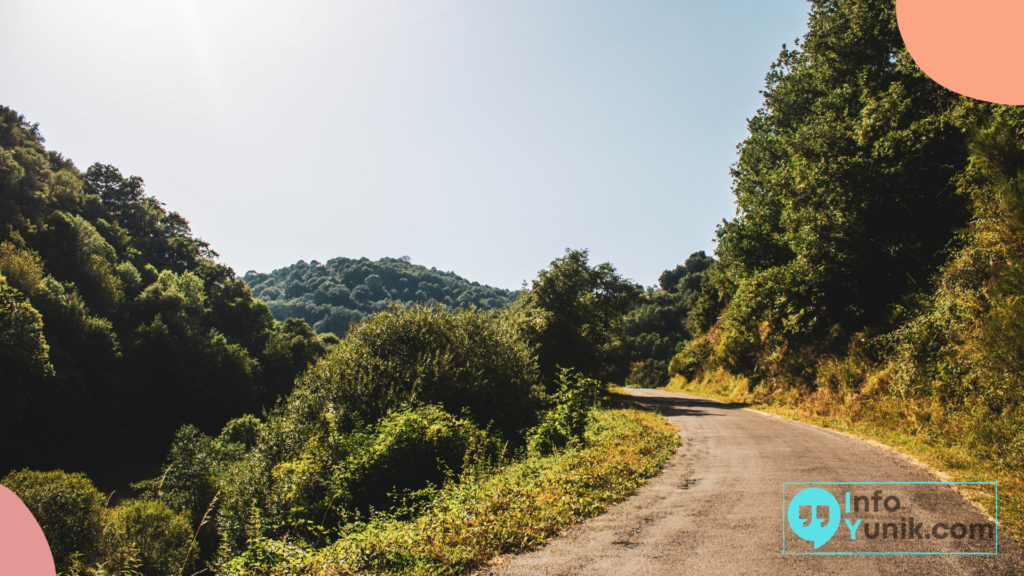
(868, 412)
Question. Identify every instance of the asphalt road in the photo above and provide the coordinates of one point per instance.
(717, 507)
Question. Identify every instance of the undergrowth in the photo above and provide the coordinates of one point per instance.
(488, 513)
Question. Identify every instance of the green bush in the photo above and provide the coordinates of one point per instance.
(247, 492)
(692, 358)
(190, 483)
(346, 435)
(68, 508)
(410, 450)
(146, 537)
(565, 424)
(244, 430)
(648, 374)
(521, 504)
(338, 475)
(406, 357)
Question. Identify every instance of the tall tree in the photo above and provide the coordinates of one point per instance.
(578, 312)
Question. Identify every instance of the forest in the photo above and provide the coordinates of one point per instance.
(330, 296)
(361, 417)
(118, 324)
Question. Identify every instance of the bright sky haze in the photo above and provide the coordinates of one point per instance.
(482, 137)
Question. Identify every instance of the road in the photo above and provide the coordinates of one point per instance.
(717, 506)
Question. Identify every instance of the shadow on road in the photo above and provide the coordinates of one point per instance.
(679, 406)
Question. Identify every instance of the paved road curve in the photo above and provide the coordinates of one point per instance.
(716, 508)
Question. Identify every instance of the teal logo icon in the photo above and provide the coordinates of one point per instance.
(804, 515)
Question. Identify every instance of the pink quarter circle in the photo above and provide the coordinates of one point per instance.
(23, 547)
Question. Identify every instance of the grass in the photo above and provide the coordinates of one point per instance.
(487, 514)
(882, 419)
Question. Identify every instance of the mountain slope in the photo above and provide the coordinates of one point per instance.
(329, 296)
(117, 325)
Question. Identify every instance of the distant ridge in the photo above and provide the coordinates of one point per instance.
(329, 296)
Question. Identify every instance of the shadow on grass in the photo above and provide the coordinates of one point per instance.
(616, 400)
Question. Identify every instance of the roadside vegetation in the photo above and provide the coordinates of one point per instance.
(496, 509)
(872, 277)
(429, 439)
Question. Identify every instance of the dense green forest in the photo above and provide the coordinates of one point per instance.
(117, 324)
(656, 329)
(330, 296)
(873, 268)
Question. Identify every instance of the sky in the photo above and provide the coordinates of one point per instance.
(482, 137)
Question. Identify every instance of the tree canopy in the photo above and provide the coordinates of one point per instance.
(332, 295)
(117, 324)
(576, 313)
(845, 188)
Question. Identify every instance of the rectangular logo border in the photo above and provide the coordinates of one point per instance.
(784, 484)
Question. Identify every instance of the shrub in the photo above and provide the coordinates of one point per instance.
(68, 508)
(338, 475)
(410, 450)
(190, 484)
(146, 537)
(247, 492)
(565, 424)
(648, 374)
(691, 359)
(417, 356)
(244, 430)
(356, 421)
(518, 506)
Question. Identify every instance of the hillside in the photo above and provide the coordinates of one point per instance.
(117, 324)
(873, 271)
(329, 296)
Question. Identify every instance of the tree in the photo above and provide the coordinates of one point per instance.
(291, 349)
(24, 354)
(574, 314)
(691, 274)
(844, 187)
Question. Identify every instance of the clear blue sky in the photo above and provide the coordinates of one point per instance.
(478, 137)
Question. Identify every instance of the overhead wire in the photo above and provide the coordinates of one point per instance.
(303, 63)
(203, 61)
(230, 68)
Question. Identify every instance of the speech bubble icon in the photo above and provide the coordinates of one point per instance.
(812, 528)
(972, 47)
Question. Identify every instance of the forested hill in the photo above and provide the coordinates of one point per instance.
(117, 325)
(329, 296)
